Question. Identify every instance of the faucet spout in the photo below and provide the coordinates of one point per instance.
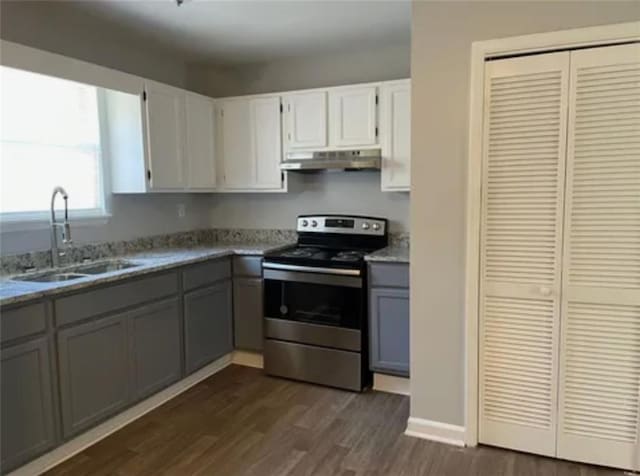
(66, 227)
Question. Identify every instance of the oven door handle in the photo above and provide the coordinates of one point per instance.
(312, 269)
(296, 276)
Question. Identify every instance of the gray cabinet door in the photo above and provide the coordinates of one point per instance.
(94, 372)
(207, 325)
(155, 346)
(247, 313)
(27, 402)
(389, 331)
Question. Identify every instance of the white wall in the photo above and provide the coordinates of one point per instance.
(58, 27)
(442, 33)
(325, 192)
(340, 192)
(314, 71)
(132, 217)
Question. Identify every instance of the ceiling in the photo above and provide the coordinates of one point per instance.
(237, 32)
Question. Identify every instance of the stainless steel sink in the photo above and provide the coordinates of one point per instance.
(103, 267)
(49, 277)
(76, 272)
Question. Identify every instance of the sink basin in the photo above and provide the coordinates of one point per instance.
(103, 267)
(75, 272)
(49, 277)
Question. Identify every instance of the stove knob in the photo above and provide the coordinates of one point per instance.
(376, 226)
(365, 226)
(314, 223)
(305, 222)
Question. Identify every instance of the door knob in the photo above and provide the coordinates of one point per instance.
(545, 291)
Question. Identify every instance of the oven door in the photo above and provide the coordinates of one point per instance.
(327, 297)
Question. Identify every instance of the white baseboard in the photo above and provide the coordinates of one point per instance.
(435, 431)
(79, 443)
(248, 359)
(391, 384)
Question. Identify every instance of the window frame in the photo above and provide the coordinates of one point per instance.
(41, 219)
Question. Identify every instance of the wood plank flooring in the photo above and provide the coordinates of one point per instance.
(240, 422)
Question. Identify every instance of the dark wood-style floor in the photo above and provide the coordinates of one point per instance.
(240, 422)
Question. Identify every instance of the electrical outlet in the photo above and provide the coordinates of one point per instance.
(182, 210)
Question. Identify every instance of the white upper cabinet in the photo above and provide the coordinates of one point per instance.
(395, 135)
(165, 115)
(306, 120)
(235, 143)
(250, 143)
(353, 116)
(267, 142)
(200, 143)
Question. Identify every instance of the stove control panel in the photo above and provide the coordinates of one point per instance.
(342, 224)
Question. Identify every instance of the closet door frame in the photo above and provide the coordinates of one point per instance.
(481, 51)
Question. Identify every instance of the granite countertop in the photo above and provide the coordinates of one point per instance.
(390, 254)
(12, 292)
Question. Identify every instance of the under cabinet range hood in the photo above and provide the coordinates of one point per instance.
(355, 159)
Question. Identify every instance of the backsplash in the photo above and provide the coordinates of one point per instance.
(13, 264)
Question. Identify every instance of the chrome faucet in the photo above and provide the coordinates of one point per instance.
(66, 228)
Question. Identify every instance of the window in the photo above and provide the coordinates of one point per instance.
(49, 136)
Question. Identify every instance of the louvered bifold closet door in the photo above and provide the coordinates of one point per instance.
(522, 211)
(600, 356)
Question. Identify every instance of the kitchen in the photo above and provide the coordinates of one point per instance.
(174, 283)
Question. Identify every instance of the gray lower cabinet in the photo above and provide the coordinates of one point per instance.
(94, 372)
(208, 325)
(247, 313)
(27, 402)
(155, 346)
(390, 330)
(389, 319)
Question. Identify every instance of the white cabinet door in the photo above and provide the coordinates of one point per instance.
(200, 143)
(236, 143)
(165, 136)
(306, 120)
(267, 142)
(599, 420)
(395, 135)
(521, 244)
(352, 116)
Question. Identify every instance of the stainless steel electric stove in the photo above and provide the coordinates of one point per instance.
(315, 301)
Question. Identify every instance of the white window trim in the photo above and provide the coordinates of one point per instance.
(539, 42)
(41, 219)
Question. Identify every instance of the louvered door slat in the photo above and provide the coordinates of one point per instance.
(600, 356)
(523, 162)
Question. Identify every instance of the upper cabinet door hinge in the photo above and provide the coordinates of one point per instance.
(144, 95)
(376, 131)
(377, 99)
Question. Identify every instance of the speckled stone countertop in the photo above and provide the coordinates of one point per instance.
(390, 254)
(13, 292)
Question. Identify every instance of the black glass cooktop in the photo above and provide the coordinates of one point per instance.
(320, 257)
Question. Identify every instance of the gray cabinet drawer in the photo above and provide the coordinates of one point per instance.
(389, 275)
(92, 303)
(249, 266)
(389, 331)
(203, 274)
(23, 321)
(27, 402)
